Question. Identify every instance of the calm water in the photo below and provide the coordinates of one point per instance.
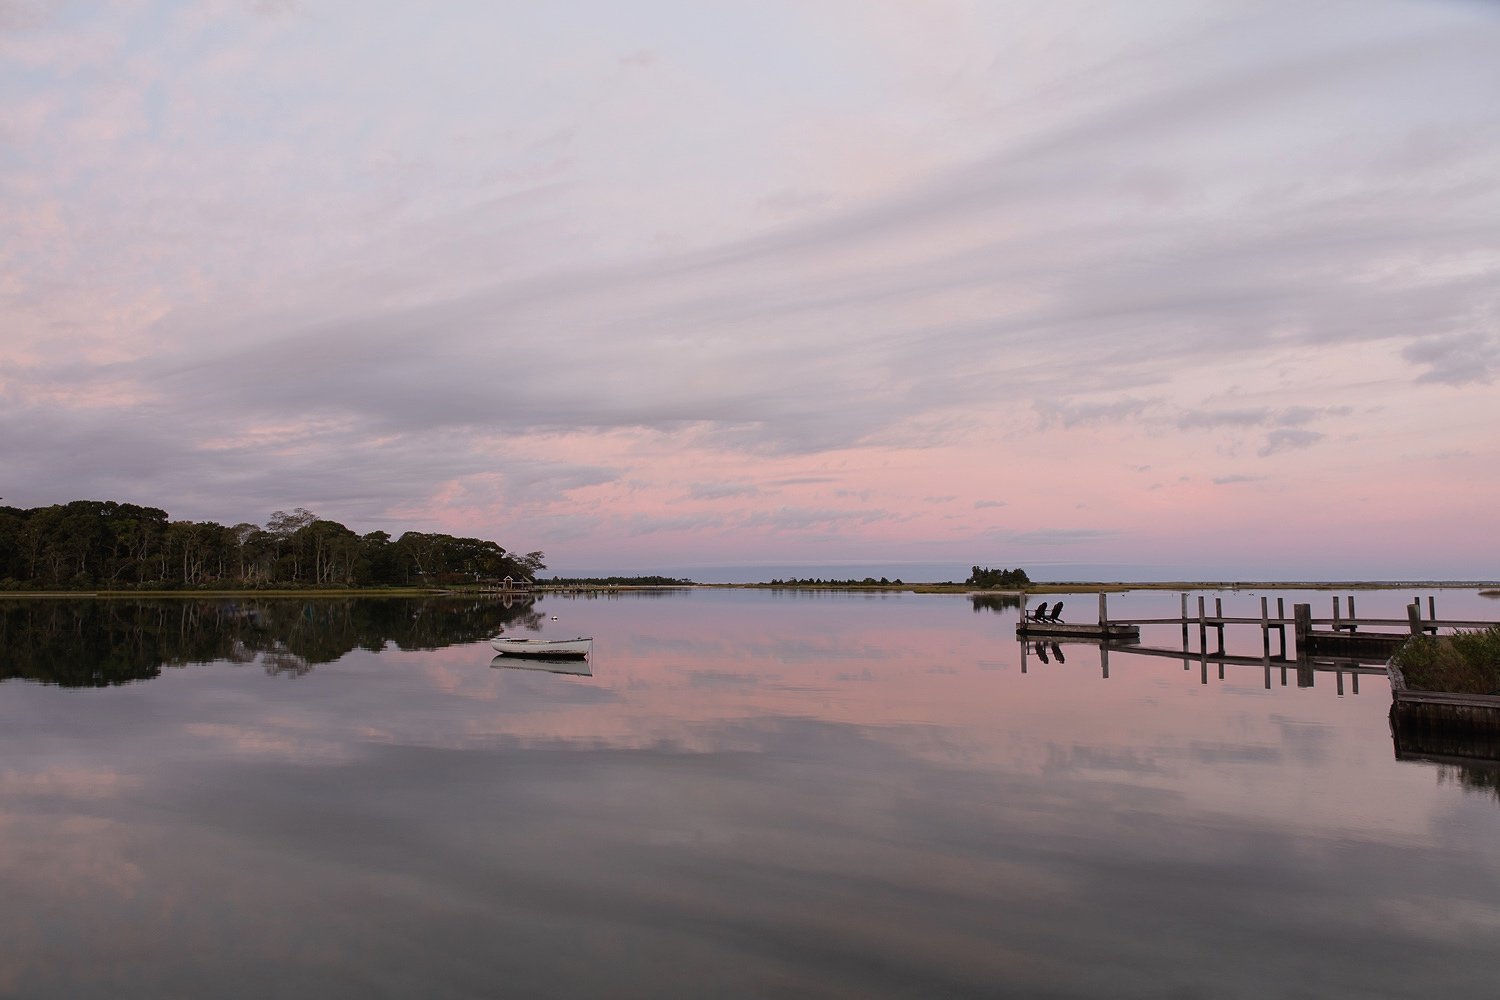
(753, 795)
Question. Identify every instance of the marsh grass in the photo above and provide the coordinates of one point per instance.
(1467, 662)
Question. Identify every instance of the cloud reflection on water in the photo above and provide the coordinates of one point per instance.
(772, 822)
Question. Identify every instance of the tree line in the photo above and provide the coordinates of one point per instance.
(1010, 579)
(101, 544)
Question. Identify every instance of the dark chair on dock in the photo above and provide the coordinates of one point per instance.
(1039, 615)
(1054, 616)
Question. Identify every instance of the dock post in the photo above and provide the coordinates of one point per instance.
(1414, 617)
(1303, 613)
(1219, 614)
(1184, 623)
(1281, 618)
(1432, 612)
(1265, 634)
(1353, 618)
(1103, 611)
(1302, 624)
(1337, 621)
(1202, 627)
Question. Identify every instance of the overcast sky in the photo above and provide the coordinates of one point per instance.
(1206, 286)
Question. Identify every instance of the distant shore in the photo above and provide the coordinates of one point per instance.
(1489, 588)
(1095, 586)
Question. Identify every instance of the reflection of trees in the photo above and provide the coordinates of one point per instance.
(94, 643)
(280, 660)
(1472, 778)
(994, 602)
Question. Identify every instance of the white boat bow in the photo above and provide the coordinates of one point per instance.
(517, 646)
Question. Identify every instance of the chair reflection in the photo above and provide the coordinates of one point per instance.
(1043, 649)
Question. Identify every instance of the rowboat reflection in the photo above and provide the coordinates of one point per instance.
(550, 664)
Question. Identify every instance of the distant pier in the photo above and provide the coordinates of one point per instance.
(1343, 643)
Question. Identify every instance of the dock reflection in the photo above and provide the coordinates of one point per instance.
(1346, 671)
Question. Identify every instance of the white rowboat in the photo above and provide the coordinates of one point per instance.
(542, 647)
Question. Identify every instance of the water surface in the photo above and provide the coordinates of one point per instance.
(753, 794)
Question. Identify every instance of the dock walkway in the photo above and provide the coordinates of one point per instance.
(1344, 638)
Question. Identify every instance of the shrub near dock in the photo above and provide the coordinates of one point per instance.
(1467, 662)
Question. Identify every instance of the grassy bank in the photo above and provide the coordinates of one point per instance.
(1467, 662)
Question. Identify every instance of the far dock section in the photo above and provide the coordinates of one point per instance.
(1342, 643)
(1046, 624)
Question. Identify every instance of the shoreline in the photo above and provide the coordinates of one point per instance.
(1486, 587)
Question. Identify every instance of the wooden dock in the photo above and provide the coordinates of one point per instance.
(1108, 631)
(1343, 643)
(1342, 634)
(1445, 727)
(1427, 717)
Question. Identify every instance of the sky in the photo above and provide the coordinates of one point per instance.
(1130, 290)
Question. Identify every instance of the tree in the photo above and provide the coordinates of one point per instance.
(333, 548)
(282, 526)
(1012, 579)
(377, 563)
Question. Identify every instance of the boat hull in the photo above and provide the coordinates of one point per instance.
(547, 648)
